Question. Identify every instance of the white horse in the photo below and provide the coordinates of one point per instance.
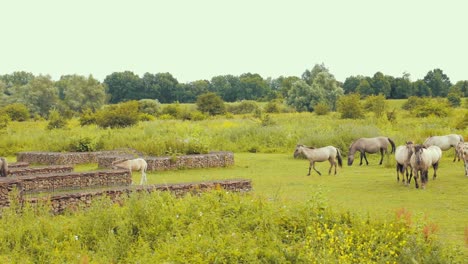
(444, 142)
(137, 164)
(464, 154)
(402, 157)
(422, 159)
(329, 153)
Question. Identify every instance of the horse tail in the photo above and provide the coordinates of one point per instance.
(393, 145)
(338, 155)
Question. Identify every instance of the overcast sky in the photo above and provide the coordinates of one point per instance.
(199, 39)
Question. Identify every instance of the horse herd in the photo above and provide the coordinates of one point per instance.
(411, 159)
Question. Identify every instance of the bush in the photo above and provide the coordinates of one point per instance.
(211, 104)
(244, 107)
(118, 116)
(321, 109)
(376, 104)
(4, 120)
(431, 107)
(413, 102)
(84, 144)
(16, 112)
(149, 106)
(88, 117)
(350, 106)
(56, 120)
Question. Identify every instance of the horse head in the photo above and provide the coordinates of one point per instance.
(298, 150)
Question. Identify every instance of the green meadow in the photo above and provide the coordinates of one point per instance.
(263, 148)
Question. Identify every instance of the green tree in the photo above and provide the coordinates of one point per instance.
(211, 103)
(39, 95)
(402, 87)
(421, 89)
(79, 92)
(350, 106)
(364, 88)
(56, 120)
(300, 96)
(438, 82)
(381, 84)
(463, 87)
(351, 83)
(252, 87)
(124, 86)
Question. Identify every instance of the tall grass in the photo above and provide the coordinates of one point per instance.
(216, 227)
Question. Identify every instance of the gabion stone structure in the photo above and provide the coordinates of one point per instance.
(27, 171)
(212, 159)
(63, 158)
(62, 202)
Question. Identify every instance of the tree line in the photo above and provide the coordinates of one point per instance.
(315, 87)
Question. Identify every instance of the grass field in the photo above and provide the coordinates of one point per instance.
(371, 191)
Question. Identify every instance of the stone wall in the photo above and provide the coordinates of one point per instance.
(28, 171)
(56, 182)
(212, 159)
(63, 158)
(62, 202)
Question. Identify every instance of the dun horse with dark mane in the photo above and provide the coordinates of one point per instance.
(329, 153)
(370, 145)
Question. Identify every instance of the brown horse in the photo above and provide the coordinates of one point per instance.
(329, 153)
(422, 159)
(369, 145)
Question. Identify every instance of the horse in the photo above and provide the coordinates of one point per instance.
(464, 152)
(329, 153)
(459, 150)
(444, 142)
(369, 145)
(137, 164)
(402, 156)
(422, 159)
(3, 167)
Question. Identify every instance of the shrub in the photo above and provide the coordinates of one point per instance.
(84, 144)
(211, 103)
(413, 102)
(321, 109)
(119, 115)
(244, 107)
(4, 120)
(350, 106)
(56, 120)
(88, 117)
(173, 110)
(375, 104)
(149, 106)
(431, 107)
(16, 112)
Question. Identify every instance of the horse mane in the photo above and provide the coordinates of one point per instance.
(3, 167)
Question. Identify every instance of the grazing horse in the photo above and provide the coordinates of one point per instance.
(370, 145)
(137, 164)
(329, 153)
(444, 142)
(402, 157)
(3, 167)
(422, 159)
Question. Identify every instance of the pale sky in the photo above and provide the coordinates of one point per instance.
(199, 39)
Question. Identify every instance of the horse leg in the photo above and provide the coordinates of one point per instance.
(381, 156)
(415, 174)
(313, 166)
(365, 157)
(435, 166)
(310, 167)
(331, 165)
